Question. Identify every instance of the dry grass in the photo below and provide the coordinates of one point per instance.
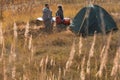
(33, 55)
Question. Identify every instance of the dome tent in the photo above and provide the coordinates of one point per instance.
(92, 18)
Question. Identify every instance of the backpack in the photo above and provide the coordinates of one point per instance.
(66, 21)
(58, 20)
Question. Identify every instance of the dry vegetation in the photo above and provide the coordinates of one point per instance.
(31, 54)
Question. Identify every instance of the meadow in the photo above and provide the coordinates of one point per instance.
(28, 53)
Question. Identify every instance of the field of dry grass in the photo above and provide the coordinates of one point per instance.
(31, 54)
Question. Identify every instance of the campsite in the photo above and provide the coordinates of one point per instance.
(87, 47)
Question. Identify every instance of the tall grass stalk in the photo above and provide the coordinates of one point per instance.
(102, 51)
(25, 77)
(30, 43)
(1, 34)
(105, 57)
(10, 55)
(4, 70)
(64, 71)
(14, 72)
(116, 64)
(80, 46)
(26, 30)
(91, 54)
(42, 62)
(31, 48)
(43, 71)
(53, 76)
(51, 62)
(32, 53)
(26, 33)
(46, 60)
(1, 41)
(59, 76)
(13, 52)
(3, 50)
(82, 73)
(71, 56)
(15, 30)
(12, 60)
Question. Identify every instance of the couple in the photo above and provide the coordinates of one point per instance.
(47, 17)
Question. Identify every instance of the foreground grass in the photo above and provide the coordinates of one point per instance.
(47, 58)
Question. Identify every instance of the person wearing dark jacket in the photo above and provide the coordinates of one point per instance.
(60, 19)
(60, 12)
(47, 18)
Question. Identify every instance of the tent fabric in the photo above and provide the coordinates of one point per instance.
(92, 18)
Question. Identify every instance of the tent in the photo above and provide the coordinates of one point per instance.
(92, 18)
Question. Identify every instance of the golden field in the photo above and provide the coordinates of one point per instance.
(31, 54)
